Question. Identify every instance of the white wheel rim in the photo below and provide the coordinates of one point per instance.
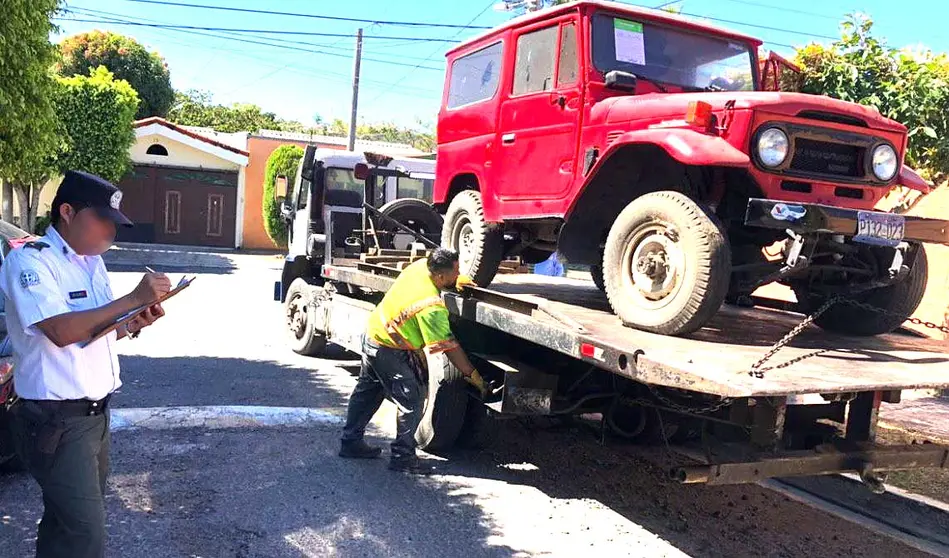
(653, 267)
(463, 240)
(296, 316)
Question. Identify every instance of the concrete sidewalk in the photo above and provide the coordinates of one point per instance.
(188, 257)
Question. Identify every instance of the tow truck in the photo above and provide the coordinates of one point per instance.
(757, 393)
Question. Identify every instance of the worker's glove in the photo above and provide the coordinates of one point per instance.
(477, 381)
(464, 281)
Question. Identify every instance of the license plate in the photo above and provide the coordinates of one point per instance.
(882, 229)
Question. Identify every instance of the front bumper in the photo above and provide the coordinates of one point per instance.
(804, 218)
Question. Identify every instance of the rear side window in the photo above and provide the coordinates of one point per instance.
(567, 74)
(475, 76)
(534, 65)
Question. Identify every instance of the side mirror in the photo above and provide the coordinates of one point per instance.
(361, 171)
(286, 210)
(280, 188)
(621, 81)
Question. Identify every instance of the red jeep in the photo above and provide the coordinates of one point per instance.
(646, 146)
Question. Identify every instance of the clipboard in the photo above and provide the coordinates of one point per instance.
(129, 316)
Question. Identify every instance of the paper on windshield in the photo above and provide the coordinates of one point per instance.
(628, 38)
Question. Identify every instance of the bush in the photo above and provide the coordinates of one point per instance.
(909, 86)
(282, 162)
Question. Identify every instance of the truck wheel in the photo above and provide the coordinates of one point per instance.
(666, 264)
(596, 273)
(445, 406)
(480, 428)
(301, 312)
(415, 214)
(899, 301)
(480, 246)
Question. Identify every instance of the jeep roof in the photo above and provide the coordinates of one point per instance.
(627, 9)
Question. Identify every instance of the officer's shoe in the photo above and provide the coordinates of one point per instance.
(358, 449)
(411, 465)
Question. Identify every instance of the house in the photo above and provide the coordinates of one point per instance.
(198, 187)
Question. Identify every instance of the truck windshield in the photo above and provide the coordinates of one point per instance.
(671, 56)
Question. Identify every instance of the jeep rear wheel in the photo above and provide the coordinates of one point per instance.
(666, 265)
(301, 320)
(480, 246)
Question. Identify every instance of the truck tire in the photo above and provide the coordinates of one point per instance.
(596, 273)
(480, 428)
(300, 314)
(445, 406)
(479, 245)
(899, 301)
(666, 265)
(415, 214)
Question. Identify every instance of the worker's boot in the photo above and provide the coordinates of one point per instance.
(358, 449)
(411, 465)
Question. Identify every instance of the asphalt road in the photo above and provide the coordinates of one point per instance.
(544, 489)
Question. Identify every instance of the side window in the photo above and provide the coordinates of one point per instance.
(534, 63)
(342, 188)
(568, 66)
(420, 188)
(302, 190)
(475, 76)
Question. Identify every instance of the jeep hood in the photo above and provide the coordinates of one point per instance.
(674, 106)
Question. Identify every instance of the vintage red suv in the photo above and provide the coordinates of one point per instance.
(646, 146)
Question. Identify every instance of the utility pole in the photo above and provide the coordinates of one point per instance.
(352, 116)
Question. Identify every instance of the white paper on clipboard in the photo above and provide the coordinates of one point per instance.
(629, 41)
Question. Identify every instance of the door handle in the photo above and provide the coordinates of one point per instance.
(508, 139)
(558, 99)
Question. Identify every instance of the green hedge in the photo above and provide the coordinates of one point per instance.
(283, 161)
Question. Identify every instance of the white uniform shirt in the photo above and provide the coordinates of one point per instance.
(39, 284)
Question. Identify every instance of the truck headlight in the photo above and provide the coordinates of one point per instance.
(773, 147)
(885, 162)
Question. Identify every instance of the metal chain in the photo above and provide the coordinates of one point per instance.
(758, 372)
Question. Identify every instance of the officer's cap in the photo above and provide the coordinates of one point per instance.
(81, 189)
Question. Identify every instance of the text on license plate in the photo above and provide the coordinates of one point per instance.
(884, 229)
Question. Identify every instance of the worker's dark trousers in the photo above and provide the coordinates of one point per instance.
(391, 373)
(71, 472)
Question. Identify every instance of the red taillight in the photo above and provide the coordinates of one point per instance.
(699, 114)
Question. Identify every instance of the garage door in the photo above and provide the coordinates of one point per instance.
(181, 206)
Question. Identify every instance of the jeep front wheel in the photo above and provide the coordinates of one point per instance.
(666, 265)
(480, 246)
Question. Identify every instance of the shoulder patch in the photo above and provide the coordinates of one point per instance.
(36, 245)
(29, 278)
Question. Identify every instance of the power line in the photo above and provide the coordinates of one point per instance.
(783, 9)
(409, 73)
(272, 31)
(246, 40)
(313, 16)
(332, 46)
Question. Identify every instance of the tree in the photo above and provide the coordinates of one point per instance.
(911, 87)
(27, 116)
(98, 117)
(282, 162)
(128, 60)
(196, 108)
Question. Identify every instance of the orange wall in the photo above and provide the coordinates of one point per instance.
(255, 237)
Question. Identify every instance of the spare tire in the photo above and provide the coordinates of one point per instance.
(446, 404)
(415, 214)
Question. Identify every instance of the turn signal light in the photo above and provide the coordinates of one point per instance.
(699, 114)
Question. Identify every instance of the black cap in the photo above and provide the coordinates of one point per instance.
(81, 189)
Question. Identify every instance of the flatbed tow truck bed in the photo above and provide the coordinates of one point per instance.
(715, 360)
(818, 415)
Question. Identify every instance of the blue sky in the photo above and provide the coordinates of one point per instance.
(299, 84)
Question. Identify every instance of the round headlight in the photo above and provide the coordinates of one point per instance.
(773, 146)
(885, 162)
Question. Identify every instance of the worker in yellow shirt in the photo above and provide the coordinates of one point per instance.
(411, 318)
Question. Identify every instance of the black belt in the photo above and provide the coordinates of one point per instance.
(75, 407)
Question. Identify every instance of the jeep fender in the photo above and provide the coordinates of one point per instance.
(684, 147)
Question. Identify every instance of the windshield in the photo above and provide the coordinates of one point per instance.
(671, 56)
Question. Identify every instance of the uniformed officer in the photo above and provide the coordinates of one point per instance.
(58, 295)
(412, 317)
